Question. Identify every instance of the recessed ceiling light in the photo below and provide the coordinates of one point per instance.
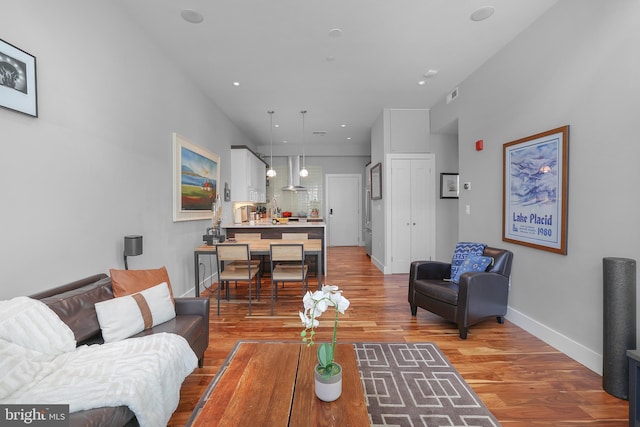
(482, 13)
(343, 125)
(421, 82)
(192, 16)
(236, 84)
(276, 126)
(349, 138)
(335, 33)
(430, 73)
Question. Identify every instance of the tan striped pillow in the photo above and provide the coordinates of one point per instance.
(123, 317)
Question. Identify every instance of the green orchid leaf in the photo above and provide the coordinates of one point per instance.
(325, 355)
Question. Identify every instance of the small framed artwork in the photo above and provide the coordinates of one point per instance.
(18, 80)
(535, 193)
(376, 182)
(196, 174)
(449, 185)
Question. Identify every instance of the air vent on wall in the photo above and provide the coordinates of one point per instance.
(453, 95)
(319, 132)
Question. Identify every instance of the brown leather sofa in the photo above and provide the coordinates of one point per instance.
(477, 296)
(75, 303)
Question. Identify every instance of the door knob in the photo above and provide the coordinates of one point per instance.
(330, 211)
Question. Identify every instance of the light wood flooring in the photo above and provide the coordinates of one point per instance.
(522, 380)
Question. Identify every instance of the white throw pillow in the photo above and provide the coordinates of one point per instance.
(123, 317)
(30, 323)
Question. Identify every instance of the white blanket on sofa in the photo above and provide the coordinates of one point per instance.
(144, 373)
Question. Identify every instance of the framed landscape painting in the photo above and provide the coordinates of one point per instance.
(535, 191)
(196, 174)
(18, 80)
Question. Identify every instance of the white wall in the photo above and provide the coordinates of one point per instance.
(96, 164)
(578, 65)
(445, 147)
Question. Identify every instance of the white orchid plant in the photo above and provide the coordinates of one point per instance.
(314, 305)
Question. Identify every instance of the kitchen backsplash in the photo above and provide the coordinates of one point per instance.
(296, 201)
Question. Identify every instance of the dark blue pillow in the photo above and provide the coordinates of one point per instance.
(472, 263)
(462, 251)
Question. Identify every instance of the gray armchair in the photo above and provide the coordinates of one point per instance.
(477, 296)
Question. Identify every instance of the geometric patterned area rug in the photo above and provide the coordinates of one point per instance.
(413, 384)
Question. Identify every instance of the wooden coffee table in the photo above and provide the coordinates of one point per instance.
(272, 384)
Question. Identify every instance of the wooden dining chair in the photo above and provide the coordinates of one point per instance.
(287, 265)
(295, 236)
(243, 237)
(242, 269)
(248, 237)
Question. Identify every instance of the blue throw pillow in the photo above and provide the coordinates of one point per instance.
(472, 263)
(462, 251)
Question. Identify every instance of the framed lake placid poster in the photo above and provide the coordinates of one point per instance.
(18, 80)
(196, 174)
(535, 191)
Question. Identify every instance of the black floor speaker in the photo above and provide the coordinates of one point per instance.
(619, 331)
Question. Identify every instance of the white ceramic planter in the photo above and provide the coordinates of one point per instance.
(329, 389)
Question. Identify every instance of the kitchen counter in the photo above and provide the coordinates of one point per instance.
(269, 224)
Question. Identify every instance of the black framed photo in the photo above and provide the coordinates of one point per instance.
(449, 185)
(376, 182)
(18, 80)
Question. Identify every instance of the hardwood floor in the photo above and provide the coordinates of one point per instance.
(522, 380)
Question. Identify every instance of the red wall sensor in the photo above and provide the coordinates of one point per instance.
(479, 145)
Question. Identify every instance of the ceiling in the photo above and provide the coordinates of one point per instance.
(286, 58)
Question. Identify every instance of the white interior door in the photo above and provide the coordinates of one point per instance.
(421, 211)
(400, 215)
(343, 218)
(412, 212)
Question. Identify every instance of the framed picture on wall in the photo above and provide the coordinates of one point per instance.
(18, 80)
(449, 185)
(376, 182)
(196, 174)
(535, 192)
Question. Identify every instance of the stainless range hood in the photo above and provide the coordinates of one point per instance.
(293, 174)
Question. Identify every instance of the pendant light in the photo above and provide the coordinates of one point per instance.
(271, 172)
(303, 172)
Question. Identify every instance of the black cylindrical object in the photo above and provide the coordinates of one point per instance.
(619, 331)
(132, 245)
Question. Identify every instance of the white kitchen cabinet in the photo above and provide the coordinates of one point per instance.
(248, 176)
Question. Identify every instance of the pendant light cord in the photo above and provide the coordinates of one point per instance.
(271, 172)
(303, 171)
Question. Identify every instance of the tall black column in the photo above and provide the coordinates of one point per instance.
(619, 331)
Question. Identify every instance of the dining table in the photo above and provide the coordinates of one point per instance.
(261, 247)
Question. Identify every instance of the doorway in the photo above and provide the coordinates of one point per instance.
(343, 209)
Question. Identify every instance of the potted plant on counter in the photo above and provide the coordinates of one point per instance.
(328, 373)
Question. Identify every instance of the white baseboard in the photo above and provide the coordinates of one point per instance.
(378, 264)
(210, 279)
(566, 345)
